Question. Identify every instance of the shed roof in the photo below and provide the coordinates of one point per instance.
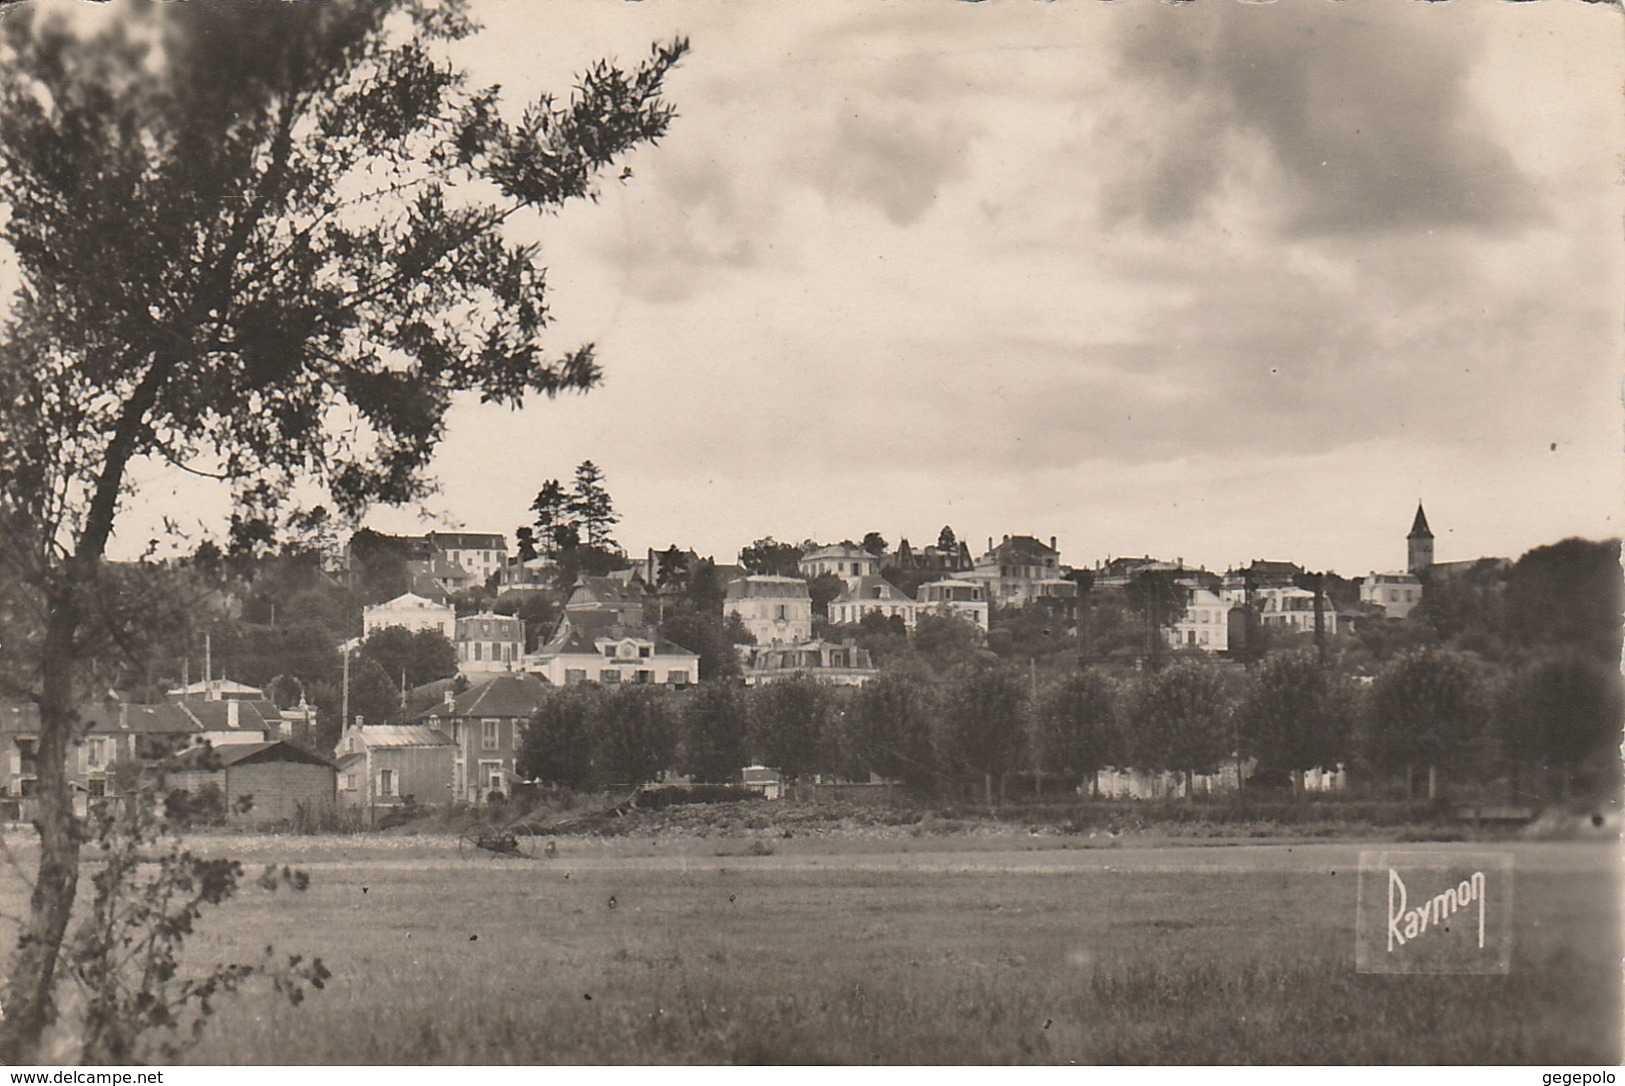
(248, 754)
(504, 695)
(382, 736)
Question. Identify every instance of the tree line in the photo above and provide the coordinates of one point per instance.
(1544, 729)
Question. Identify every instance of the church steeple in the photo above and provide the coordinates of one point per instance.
(1419, 544)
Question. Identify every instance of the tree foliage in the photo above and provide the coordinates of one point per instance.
(792, 726)
(767, 556)
(234, 225)
(1078, 732)
(1295, 714)
(1424, 707)
(422, 656)
(716, 730)
(1179, 719)
(889, 728)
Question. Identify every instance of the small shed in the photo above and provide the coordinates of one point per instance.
(263, 783)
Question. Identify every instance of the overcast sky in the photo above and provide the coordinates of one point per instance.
(1218, 282)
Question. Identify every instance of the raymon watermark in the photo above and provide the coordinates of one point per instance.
(1434, 912)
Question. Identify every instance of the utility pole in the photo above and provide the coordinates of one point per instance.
(344, 714)
(1320, 617)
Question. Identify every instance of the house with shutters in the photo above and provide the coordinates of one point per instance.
(854, 565)
(484, 725)
(410, 612)
(393, 765)
(773, 609)
(487, 643)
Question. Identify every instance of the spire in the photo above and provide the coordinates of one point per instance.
(1419, 527)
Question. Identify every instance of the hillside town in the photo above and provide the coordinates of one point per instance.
(409, 672)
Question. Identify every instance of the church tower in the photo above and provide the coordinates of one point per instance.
(1419, 543)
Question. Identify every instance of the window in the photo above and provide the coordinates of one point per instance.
(491, 773)
(349, 782)
(645, 675)
(780, 612)
(490, 734)
(478, 649)
(677, 678)
(643, 651)
(456, 729)
(96, 787)
(609, 651)
(93, 753)
(609, 675)
(574, 675)
(386, 782)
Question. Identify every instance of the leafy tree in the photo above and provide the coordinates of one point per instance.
(373, 695)
(946, 640)
(1569, 594)
(524, 538)
(792, 725)
(767, 556)
(708, 637)
(635, 734)
(1158, 600)
(984, 707)
(1424, 708)
(716, 729)
(874, 543)
(889, 727)
(382, 560)
(1024, 633)
(555, 528)
(1180, 720)
(824, 589)
(229, 222)
(421, 655)
(590, 505)
(557, 744)
(1295, 715)
(1561, 711)
(1077, 727)
(672, 568)
(704, 590)
(1467, 609)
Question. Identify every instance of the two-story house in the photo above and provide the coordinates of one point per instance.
(1396, 593)
(591, 647)
(872, 595)
(389, 765)
(410, 612)
(854, 565)
(484, 724)
(488, 643)
(1019, 571)
(773, 609)
(967, 599)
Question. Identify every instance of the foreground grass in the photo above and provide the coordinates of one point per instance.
(946, 951)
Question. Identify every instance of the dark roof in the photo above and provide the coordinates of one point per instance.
(1419, 526)
(247, 754)
(385, 736)
(579, 632)
(107, 718)
(590, 590)
(504, 695)
(468, 541)
(1023, 546)
(215, 716)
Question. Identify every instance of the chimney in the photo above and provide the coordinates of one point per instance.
(360, 721)
(989, 542)
(450, 697)
(1052, 545)
(233, 711)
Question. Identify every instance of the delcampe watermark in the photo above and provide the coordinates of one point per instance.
(1434, 912)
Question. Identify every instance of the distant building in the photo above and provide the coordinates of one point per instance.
(839, 665)
(1419, 543)
(1396, 593)
(853, 565)
(967, 599)
(625, 602)
(484, 724)
(412, 613)
(933, 559)
(263, 783)
(591, 647)
(1206, 622)
(1293, 608)
(480, 554)
(872, 595)
(488, 643)
(1019, 571)
(389, 765)
(776, 610)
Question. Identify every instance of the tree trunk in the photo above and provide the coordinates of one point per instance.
(987, 789)
(1297, 785)
(28, 1003)
(1410, 775)
(1433, 782)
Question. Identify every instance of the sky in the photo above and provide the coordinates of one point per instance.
(1215, 282)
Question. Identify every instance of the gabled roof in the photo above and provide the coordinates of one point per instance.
(504, 695)
(408, 599)
(391, 736)
(221, 688)
(106, 718)
(1419, 526)
(215, 716)
(580, 632)
(839, 550)
(1019, 547)
(595, 590)
(249, 753)
(871, 588)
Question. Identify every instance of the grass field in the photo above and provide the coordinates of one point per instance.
(940, 950)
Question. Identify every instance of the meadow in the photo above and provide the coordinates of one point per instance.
(955, 949)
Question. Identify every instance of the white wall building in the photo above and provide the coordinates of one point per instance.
(1293, 608)
(410, 612)
(1206, 622)
(489, 642)
(966, 599)
(773, 609)
(872, 596)
(1395, 593)
(851, 564)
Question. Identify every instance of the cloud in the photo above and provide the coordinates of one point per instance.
(1352, 122)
